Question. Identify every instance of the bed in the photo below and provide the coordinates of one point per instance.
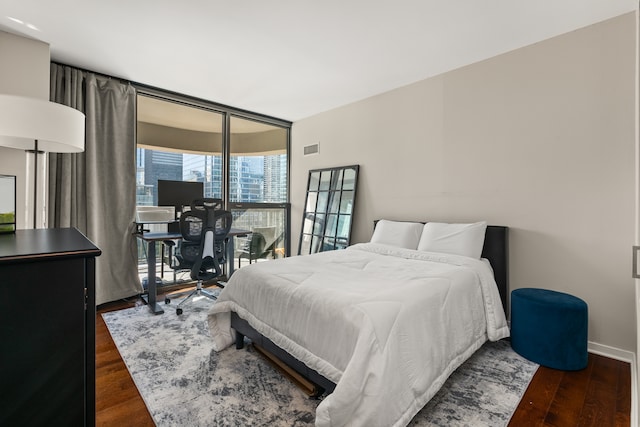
(379, 326)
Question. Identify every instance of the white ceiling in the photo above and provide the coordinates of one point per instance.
(291, 59)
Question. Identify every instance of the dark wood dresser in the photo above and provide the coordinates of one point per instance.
(47, 328)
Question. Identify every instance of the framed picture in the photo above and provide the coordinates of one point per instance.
(7, 203)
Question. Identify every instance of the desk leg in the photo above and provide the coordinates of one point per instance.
(230, 254)
(151, 278)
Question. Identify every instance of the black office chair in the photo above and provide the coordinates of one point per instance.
(204, 230)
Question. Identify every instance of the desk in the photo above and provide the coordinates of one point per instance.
(151, 238)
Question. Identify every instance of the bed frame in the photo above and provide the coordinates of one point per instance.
(495, 249)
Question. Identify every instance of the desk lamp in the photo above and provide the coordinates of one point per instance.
(39, 126)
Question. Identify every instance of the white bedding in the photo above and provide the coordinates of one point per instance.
(387, 325)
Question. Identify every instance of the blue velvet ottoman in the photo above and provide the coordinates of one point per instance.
(549, 328)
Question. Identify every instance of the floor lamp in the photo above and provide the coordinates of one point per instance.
(39, 126)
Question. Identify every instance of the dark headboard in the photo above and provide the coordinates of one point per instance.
(496, 250)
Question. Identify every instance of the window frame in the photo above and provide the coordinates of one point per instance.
(227, 112)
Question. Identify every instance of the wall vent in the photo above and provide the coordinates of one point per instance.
(311, 149)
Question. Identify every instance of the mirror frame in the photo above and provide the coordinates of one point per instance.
(327, 218)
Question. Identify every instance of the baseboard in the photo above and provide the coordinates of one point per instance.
(611, 352)
(624, 356)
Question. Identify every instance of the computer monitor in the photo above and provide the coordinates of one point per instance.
(179, 193)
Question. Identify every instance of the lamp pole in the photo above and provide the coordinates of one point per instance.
(35, 184)
(35, 152)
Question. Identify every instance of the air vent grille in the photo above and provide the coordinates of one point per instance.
(311, 149)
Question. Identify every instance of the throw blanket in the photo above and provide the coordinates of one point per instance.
(387, 325)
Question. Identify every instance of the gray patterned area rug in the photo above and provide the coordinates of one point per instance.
(185, 383)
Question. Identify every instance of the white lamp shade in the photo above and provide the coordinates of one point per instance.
(58, 128)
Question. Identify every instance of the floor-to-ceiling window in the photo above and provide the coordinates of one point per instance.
(258, 187)
(239, 157)
(177, 142)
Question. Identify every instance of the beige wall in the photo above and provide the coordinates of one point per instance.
(25, 66)
(540, 139)
(24, 71)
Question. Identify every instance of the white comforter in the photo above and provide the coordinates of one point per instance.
(387, 325)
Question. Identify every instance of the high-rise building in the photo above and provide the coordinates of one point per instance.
(251, 178)
(161, 165)
(275, 178)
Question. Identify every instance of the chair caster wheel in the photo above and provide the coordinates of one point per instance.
(167, 300)
(178, 311)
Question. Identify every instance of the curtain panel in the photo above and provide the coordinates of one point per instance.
(94, 191)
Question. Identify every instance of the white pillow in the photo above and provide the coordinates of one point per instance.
(458, 239)
(397, 233)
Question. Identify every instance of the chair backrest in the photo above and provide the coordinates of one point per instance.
(269, 235)
(204, 230)
(257, 244)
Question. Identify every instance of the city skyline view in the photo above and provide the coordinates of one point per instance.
(252, 179)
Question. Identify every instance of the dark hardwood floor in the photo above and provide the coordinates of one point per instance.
(599, 395)
(118, 402)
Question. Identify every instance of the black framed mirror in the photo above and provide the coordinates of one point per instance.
(7, 203)
(328, 210)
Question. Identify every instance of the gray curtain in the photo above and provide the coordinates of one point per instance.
(67, 189)
(95, 191)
